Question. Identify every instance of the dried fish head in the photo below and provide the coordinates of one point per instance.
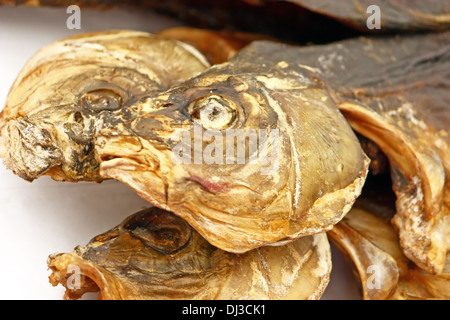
(154, 254)
(293, 166)
(222, 184)
(69, 88)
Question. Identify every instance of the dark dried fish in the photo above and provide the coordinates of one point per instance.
(394, 91)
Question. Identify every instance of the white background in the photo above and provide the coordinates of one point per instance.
(45, 216)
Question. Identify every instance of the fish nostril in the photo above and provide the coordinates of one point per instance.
(78, 117)
(108, 158)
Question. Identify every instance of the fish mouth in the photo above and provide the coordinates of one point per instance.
(127, 158)
(27, 150)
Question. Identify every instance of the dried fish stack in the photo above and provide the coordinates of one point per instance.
(226, 223)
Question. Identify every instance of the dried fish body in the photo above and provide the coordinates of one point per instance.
(397, 97)
(392, 14)
(369, 240)
(280, 16)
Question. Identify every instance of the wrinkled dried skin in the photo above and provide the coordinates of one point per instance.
(154, 254)
(69, 88)
(385, 272)
(394, 91)
(307, 186)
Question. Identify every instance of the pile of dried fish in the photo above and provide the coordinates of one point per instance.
(344, 113)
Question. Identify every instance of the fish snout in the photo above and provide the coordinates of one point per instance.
(27, 150)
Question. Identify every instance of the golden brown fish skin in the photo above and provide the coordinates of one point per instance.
(236, 207)
(49, 120)
(394, 91)
(370, 241)
(217, 46)
(154, 254)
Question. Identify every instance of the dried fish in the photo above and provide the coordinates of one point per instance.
(217, 46)
(306, 181)
(67, 89)
(369, 240)
(154, 254)
(121, 114)
(393, 14)
(310, 180)
(394, 91)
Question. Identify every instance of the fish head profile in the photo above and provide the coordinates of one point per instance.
(65, 91)
(250, 152)
(154, 254)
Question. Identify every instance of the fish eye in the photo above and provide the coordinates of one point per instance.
(159, 230)
(101, 99)
(213, 112)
